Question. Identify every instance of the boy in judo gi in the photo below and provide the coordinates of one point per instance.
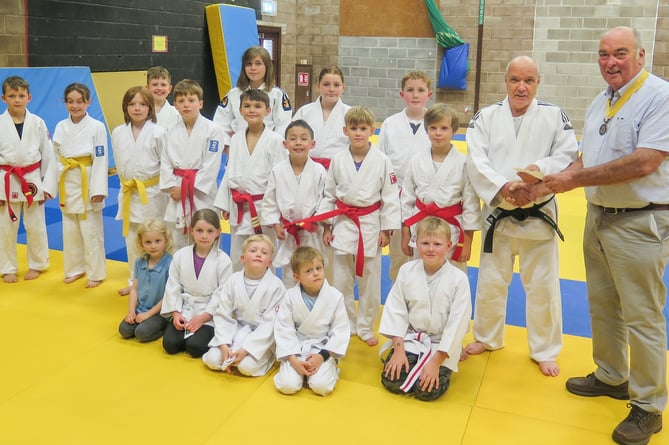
(426, 316)
(311, 329)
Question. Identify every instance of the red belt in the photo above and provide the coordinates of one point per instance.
(19, 172)
(353, 213)
(325, 162)
(187, 190)
(241, 198)
(294, 228)
(448, 214)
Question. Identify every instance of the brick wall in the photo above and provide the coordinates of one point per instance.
(12, 33)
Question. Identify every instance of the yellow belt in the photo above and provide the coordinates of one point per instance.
(127, 187)
(80, 162)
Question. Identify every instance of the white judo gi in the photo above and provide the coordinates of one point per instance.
(299, 331)
(329, 135)
(246, 321)
(545, 138)
(198, 153)
(375, 182)
(168, 116)
(33, 151)
(82, 147)
(438, 305)
(444, 185)
(288, 199)
(191, 295)
(138, 167)
(229, 118)
(248, 174)
(400, 143)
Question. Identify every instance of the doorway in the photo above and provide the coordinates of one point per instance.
(269, 38)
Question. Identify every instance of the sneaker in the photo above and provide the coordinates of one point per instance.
(637, 428)
(591, 386)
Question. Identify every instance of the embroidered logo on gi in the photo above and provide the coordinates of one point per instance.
(15, 195)
(99, 150)
(32, 189)
(213, 146)
(224, 102)
(285, 102)
(393, 178)
(276, 308)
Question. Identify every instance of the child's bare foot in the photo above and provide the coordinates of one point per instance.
(373, 341)
(475, 348)
(123, 292)
(10, 278)
(73, 278)
(549, 368)
(31, 274)
(92, 283)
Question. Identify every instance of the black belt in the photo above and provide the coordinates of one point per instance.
(521, 214)
(616, 210)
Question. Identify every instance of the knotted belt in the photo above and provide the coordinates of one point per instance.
(240, 198)
(353, 213)
(19, 172)
(294, 228)
(448, 214)
(128, 186)
(521, 214)
(325, 162)
(80, 162)
(187, 190)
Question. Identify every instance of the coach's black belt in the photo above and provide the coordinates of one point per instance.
(520, 214)
(616, 210)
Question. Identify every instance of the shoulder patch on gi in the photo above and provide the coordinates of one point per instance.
(474, 118)
(99, 150)
(224, 102)
(566, 121)
(393, 178)
(213, 145)
(285, 102)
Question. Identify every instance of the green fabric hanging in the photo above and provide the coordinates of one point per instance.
(445, 35)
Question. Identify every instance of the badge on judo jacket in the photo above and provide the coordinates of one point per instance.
(393, 178)
(99, 150)
(285, 102)
(213, 146)
(224, 102)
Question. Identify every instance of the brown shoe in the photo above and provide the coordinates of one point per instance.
(591, 386)
(637, 428)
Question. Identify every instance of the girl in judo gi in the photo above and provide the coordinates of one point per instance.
(195, 273)
(137, 146)
(148, 285)
(257, 74)
(80, 142)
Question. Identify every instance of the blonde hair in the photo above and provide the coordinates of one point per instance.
(434, 226)
(359, 115)
(417, 75)
(243, 81)
(260, 237)
(155, 226)
(146, 96)
(188, 86)
(158, 72)
(438, 112)
(304, 255)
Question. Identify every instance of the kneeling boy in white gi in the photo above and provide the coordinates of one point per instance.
(244, 318)
(311, 329)
(425, 317)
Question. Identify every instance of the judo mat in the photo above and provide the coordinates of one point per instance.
(68, 377)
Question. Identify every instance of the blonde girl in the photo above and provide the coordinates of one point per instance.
(143, 321)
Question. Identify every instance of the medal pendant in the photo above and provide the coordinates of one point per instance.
(602, 129)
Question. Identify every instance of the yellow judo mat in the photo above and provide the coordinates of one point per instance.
(68, 378)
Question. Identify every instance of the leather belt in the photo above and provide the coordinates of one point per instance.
(616, 210)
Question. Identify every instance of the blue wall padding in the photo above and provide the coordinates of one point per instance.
(232, 29)
(47, 86)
